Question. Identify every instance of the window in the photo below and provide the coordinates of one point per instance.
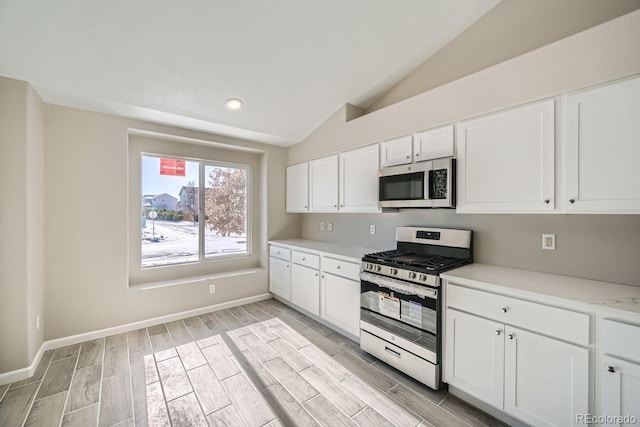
(192, 210)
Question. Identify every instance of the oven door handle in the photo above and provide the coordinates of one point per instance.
(395, 353)
(399, 286)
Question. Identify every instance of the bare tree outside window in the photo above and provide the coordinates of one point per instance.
(226, 201)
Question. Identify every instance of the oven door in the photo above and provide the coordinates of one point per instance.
(403, 309)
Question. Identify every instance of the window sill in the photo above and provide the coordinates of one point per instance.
(192, 280)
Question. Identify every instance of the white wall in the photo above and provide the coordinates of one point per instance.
(21, 223)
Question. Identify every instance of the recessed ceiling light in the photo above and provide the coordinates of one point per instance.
(233, 103)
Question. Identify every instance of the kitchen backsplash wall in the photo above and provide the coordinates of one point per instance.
(598, 247)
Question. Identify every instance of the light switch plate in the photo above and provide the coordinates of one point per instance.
(329, 226)
(372, 229)
(322, 226)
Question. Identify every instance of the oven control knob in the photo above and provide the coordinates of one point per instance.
(422, 277)
(393, 271)
(378, 268)
(368, 266)
(412, 275)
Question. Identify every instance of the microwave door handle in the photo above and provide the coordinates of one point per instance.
(428, 167)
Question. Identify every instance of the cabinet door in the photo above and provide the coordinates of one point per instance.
(506, 161)
(323, 184)
(359, 180)
(601, 149)
(474, 359)
(298, 188)
(433, 144)
(546, 381)
(340, 302)
(620, 391)
(396, 151)
(305, 288)
(280, 277)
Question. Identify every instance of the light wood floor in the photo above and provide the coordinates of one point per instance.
(261, 364)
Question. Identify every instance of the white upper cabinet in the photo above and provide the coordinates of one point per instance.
(433, 143)
(323, 184)
(506, 161)
(398, 151)
(298, 188)
(602, 148)
(359, 180)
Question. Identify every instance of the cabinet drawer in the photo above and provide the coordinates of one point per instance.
(621, 339)
(556, 322)
(280, 252)
(395, 356)
(346, 269)
(308, 260)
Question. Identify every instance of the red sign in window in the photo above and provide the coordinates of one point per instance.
(172, 167)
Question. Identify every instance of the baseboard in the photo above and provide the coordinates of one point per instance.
(23, 373)
(496, 413)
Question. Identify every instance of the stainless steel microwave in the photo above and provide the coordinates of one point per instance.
(429, 184)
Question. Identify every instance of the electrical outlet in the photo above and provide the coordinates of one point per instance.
(329, 226)
(372, 229)
(38, 322)
(212, 289)
(322, 226)
(549, 242)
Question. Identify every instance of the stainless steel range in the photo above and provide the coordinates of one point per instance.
(400, 298)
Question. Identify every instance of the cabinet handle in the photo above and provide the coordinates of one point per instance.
(572, 201)
(342, 206)
(305, 206)
(304, 259)
(335, 206)
(338, 267)
(611, 369)
(408, 157)
(395, 353)
(547, 201)
(504, 309)
(322, 276)
(498, 331)
(316, 274)
(287, 265)
(417, 155)
(510, 336)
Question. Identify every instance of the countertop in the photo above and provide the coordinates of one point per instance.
(597, 295)
(354, 252)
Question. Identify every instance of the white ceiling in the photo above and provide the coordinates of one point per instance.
(293, 62)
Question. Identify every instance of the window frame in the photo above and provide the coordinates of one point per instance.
(202, 164)
(213, 154)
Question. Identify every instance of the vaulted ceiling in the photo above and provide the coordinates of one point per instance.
(292, 62)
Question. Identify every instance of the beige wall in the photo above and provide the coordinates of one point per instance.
(87, 230)
(603, 247)
(512, 28)
(21, 223)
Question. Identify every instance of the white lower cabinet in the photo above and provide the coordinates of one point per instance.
(546, 381)
(620, 390)
(619, 371)
(475, 356)
(305, 288)
(341, 302)
(320, 283)
(280, 277)
(538, 379)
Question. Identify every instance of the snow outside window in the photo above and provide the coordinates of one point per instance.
(192, 210)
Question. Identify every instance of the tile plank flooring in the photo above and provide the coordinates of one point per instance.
(261, 364)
